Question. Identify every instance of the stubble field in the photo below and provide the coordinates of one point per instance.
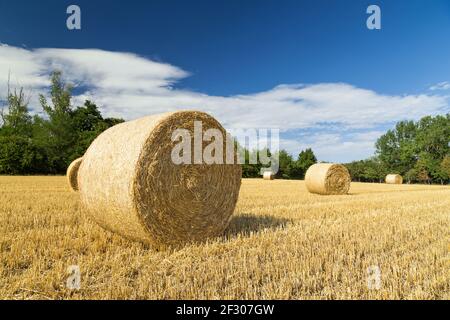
(283, 243)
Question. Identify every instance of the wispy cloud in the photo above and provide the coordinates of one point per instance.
(441, 86)
(130, 86)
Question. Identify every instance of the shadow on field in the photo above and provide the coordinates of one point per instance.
(246, 224)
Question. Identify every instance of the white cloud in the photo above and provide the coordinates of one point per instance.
(441, 86)
(335, 146)
(129, 86)
(112, 71)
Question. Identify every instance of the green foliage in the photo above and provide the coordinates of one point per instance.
(444, 169)
(416, 150)
(285, 163)
(306, 158)
(42, 145)
(88, 123)
(288, 167)
(18, 155)
(397, 149)
(16, 119)
(369, 170)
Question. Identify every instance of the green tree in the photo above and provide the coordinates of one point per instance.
(47, 144)
(356, 170)
(416, 149)
(369, 170)
(56, 135)
(249, 170)
(422, 170)
(18, 155)
(88, 123)
(397, 149)
(306, 158)
(285, 164)
(15, 116)
(444, 170)
(433, 136)
(411, 176)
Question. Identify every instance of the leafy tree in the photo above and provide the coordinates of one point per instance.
(369, 170)
(285, 164)
(47, 144)
(444, 170)
(306, 158)
(416, 150)
(18, 155)
(16, 118)
(88, 123)
(249, 170)
(356, 170)
(56, 135)
(433, 136)
(67, 132)
(422, 170)
(397, 149)
(411, 176)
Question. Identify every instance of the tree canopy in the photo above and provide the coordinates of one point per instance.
(47, 144)
(419, 151)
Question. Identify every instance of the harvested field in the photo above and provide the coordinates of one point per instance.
(283, 243)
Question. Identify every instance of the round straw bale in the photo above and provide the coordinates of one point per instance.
(327, 178)
(72, 174)
(130, 185)
(394, 179)
(268, 175)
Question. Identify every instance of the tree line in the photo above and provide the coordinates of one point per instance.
(47, 144)
(289, 167)
(419, 151)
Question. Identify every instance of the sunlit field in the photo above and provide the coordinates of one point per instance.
(283, 243)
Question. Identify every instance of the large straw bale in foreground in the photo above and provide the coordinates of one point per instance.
(268, 175)
(327, 178)
(129, 184)
(72, 174)
(394, 179)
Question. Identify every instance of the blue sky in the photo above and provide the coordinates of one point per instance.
(311, 68)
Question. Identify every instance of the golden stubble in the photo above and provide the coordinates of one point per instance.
(282, 243)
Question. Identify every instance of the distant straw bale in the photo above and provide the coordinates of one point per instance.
(394, 179)
(327, 179)
(268, 175)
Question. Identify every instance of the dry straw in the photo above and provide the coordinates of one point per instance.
(394, 179)
(327, 178)
(72, 174)
(268, 175)
(130, 185)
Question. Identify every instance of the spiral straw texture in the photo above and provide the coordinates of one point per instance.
(327, 179)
